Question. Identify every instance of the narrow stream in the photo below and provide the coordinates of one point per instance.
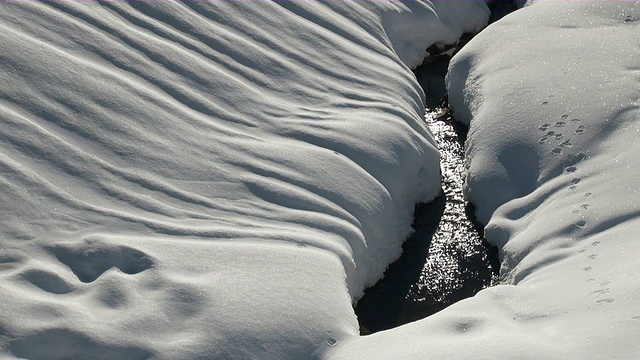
(446, 259)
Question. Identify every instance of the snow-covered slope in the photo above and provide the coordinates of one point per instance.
(207, 179)
(552, 96)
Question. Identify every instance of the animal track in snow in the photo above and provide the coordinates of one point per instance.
(47, 281)
(183, 300)
(10, 259)
(554, 135)
(605, 301)
(89, 260)
(578, 157)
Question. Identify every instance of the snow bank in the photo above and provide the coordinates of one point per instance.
(207, 179)
(551, 93)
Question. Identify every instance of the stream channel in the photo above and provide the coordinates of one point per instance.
(446, 259)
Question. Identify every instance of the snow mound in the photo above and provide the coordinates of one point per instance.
(551, 95)
(207, 179)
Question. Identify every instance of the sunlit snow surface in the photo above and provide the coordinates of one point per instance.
(552, 97)
(207, 179)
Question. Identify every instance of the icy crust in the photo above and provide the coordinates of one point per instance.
(207, 179)
(551, 92)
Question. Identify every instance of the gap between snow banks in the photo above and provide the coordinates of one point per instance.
(446, 259)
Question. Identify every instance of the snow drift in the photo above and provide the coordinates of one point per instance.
(551, 95)
(213, 179)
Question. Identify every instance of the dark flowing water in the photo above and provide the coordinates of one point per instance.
(446, 259)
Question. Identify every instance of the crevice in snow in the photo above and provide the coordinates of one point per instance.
(447, 258)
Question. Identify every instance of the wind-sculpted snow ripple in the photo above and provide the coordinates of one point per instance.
(207, 179)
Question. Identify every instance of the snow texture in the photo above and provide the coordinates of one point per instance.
(207, 179)
(552, 97)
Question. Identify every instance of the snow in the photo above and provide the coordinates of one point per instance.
(223, 179)
(214, 180)
(551, 96)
